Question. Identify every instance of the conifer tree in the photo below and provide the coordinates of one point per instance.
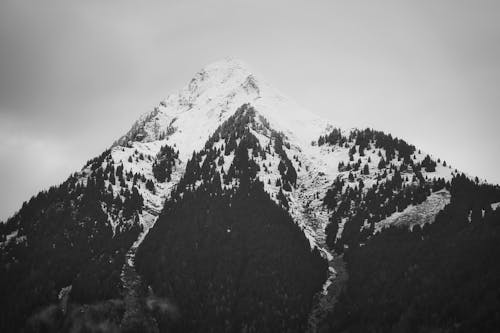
(366, 170)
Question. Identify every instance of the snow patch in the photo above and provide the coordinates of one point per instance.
(419, 214)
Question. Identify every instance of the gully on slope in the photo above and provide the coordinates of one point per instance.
(134, 291)
(311, 215)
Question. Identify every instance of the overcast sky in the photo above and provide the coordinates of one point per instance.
(74, 75)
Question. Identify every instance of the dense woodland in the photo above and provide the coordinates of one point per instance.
(363, 138)
(230, 258)
(444, 277)
(165, 161)
(64, 238)
(398, 185)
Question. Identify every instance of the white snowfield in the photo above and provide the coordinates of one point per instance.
(188, 117)
(419, 214)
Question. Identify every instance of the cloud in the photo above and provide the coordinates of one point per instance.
(29, 163)
(75, 75)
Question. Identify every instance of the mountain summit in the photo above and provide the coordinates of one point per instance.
(228, 207)
(188, 116)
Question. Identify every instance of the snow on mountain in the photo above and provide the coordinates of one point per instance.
(186, 118)
(185, 121)
(419, 214)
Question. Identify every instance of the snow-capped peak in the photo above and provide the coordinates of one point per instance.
(186, 118)
(222, 72)
(215, 79)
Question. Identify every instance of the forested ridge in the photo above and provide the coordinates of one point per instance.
(226, 255)
(443, 277)
(399, 184)
(224, 252)
(63, 238)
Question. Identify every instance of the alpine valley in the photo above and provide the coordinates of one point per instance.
(229, 208)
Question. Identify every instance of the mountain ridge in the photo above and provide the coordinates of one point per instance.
(213, 95)
(224, 136)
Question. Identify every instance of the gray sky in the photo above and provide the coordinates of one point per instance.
(74, 75)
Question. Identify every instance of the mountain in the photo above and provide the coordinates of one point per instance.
(228, 207)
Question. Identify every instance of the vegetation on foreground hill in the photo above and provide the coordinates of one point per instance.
(444, 277)
(230, 257)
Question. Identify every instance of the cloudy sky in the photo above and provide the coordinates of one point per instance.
(74, 75)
